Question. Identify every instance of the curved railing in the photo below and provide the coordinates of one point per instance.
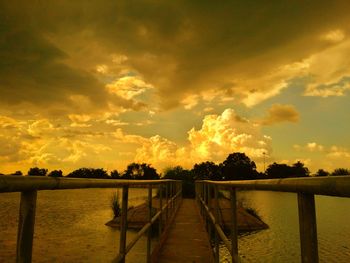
(305, 188)
(29, 185)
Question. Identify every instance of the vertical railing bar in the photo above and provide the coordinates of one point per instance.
(307, 228)
(203, 198)
(210, 227)
(216, 196)
(171, 198)
(167, 201)
(161, 209)
(175, 197)
(26, 226)
(149, 232)
(217, 206)
(123, 223)
(234, 232)
(205, 203)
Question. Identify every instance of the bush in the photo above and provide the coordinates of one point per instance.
(115, 205)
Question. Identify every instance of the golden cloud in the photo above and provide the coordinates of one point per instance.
(278, 113)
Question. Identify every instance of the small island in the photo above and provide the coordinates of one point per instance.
(247, 220)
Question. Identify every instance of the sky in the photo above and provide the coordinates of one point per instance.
(106, 83)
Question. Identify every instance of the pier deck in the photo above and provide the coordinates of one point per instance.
(187, 240)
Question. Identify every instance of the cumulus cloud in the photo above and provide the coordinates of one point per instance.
(281, 113)
(218, 136)
(160, 152)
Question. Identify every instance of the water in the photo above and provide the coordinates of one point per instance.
(280, 243)
(69, 226)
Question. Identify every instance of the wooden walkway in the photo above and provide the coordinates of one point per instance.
(187, 240)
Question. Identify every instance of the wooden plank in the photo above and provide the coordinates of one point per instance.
(187, 240)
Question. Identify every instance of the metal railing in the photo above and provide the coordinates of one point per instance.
(28, 186)
(305, 188)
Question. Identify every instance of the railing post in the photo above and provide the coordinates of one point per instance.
(216, 195)
(209, 207)
(308, 228)
(171, 197)
(205, 203)
(161, 209)
(123, 223)
(26, 226)
(175, 197)
(167, 201)
(149, 233)
(203, 197)
(234, 240)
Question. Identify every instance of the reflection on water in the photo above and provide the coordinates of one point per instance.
(280, 243)
(69, 226)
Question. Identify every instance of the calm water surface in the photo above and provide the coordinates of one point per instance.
(280, 243)
(70, 227)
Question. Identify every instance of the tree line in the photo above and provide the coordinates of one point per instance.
(237, 166)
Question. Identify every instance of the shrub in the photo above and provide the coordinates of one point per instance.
(115, 205)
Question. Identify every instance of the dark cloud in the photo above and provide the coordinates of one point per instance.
(34, 70)
(179, 46)
(281, 113)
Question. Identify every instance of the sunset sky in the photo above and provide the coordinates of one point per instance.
(105, 83)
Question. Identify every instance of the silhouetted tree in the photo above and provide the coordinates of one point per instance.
(35, 171)
(299, 170)
(207, 171)
(340, 171)
(98, 173)
(55, 173)
(238, 166)
(115, 174)
(177, 173)
(277, 170)
(19, 173)
(321, 172)
(140, 172)
(186, 176)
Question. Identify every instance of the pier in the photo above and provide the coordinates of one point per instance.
(190, 230)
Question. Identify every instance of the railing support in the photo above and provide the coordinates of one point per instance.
(167, 202)
(234, 234)
(26, 226)
(308, 228)
(217, 212)
(149, 232)
(123, 224)
(161, 210)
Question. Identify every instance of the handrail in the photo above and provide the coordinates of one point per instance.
(28, 186)
(330, 185)
(30, 183)
(305, 188)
